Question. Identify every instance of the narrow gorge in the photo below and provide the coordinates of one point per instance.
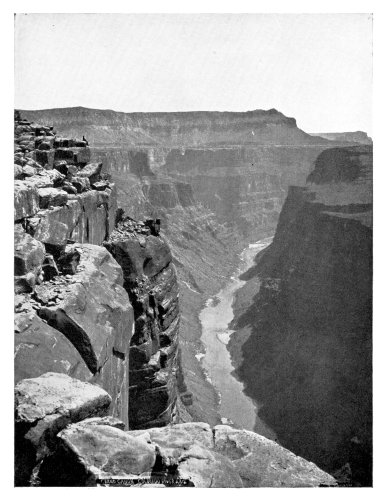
(126, 239)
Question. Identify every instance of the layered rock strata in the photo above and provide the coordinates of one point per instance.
(72, 314)
(308, 358)
(177, 129)
(150, 280)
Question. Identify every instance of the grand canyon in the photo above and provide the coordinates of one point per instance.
(193, 300)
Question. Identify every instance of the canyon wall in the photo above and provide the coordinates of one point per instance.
(72, 314)
(359, 137)
(112, 322)
(305, 316)
(216, 180)
(176, 129)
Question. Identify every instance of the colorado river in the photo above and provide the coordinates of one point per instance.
(215, 318)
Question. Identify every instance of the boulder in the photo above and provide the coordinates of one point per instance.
(263, 463)
(61, 166)
(18, 172)
(19, 159)
(52, 197)
(29, 171)
(29, 256)
(100, 185)
(81, 183)
(40, 180)
(45, 158)
(94, 451)
(48, 228)
(43, 407)
(26, 200)
(138, 257)
(69, 188)
(92, 171)
(55, 176)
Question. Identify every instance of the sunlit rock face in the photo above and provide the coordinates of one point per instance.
(79, 446)
(176, 129)
(308, 359)
(72, 314)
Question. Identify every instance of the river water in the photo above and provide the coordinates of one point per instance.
(235, 406)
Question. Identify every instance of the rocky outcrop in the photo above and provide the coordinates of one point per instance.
(98, 451)
(60, 199)
(308, 359)
(72, 314)
(80, 324)
(43, 407)
(93, 311)
(150, 280)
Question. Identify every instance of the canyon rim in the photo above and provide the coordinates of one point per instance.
(193, 251)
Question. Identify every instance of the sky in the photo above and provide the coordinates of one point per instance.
(316, 68)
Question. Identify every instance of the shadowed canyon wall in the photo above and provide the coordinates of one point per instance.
(307, 357)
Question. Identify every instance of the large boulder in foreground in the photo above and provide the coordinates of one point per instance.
(98, 451)
(91, 451)
(43, 407)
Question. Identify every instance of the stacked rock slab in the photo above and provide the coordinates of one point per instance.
(70, 442)
(150, 280)
(43, 407)
(72, 314)
(59, 194)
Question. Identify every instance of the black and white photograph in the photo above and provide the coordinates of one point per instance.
(193, 249)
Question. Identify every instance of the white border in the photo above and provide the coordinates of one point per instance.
(379, 135)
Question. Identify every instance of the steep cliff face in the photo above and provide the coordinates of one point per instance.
(72, 314)
(74, 302)
(308, 358)
(150, 280)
